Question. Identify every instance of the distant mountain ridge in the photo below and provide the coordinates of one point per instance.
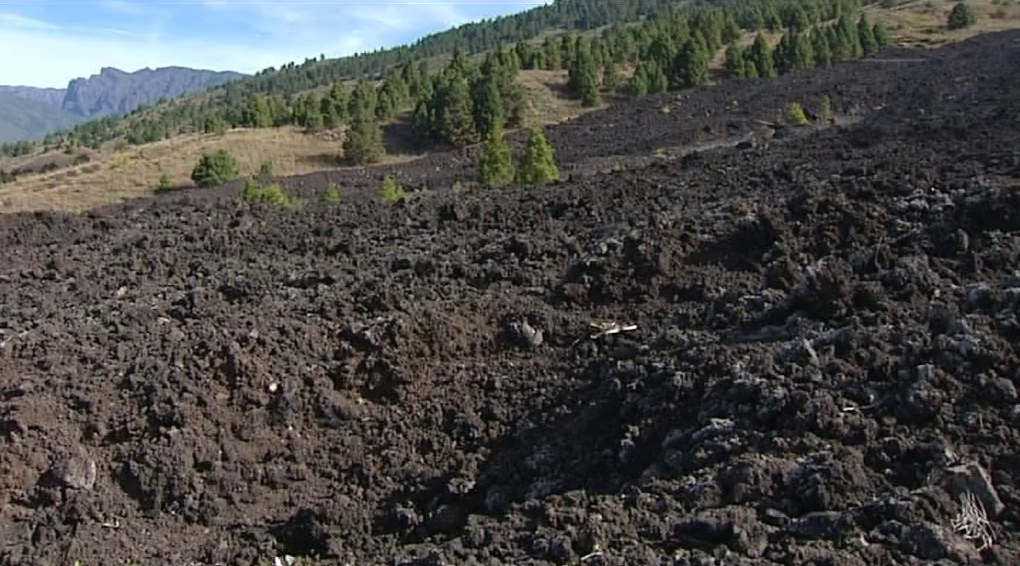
(30, 112)
(49, 96)
(114, 91)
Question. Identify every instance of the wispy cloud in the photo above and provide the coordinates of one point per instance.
(17, 21)
(60, 40)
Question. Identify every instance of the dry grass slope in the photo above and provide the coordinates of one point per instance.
(922, 23)
(115, 176)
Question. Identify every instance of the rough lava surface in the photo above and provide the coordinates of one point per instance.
(823, 370)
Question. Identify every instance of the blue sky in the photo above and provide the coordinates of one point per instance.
(46, 43)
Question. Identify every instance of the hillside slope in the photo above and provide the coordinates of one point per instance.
(23, 119)
(819, 367)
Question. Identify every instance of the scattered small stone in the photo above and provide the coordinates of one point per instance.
(76, 471)
(526, 335)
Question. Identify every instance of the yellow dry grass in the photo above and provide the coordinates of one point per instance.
(116, 176)
(922, 23)
(549, 102)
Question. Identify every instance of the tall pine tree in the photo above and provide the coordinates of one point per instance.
(690, 66)
(583, 76)
(735, 61)
(496, 166)
(866, 36)
(488, 105)
(761, 54)
(538, 164)
(455, 114)
(364, 144)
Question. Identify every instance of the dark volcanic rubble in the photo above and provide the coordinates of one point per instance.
(823, 369)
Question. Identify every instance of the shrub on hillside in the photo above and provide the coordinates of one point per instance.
(962, 16)
(254, 191)
(391, 191)
(214, 169)
(825, 113)
(164, 183)
(266, 168)
(795, 115)
(331, 194)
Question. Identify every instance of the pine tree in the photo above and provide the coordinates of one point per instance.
(750, 70)
(567, 44)
(458, 66)
(735, 61)
(313, 119)
(866, 36)
(488, 105)
(516, 106)
(336, 102)
(583, 78)
(362, 100)
(690, 66)
(784, 55)
(214, 124)
(799, 20)
(962, 16)
(391, 192)
(422, 126)
(214, 169)
(795, 115)
(525, 54)
(820, 47)
(837, 44)
(881, 35)
(658, 81)
(388, 100)
(661, 51)
(639, 82)
(825, 113)
(164, 183)
(761, 54)
(496, 166)
(455, 115)
(551, 51)
(538, 164)
(610, 78)
(849, 38)
(257, 113)
(364, 144)
(730, 31)
(803, 54)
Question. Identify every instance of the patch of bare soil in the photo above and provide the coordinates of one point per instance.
(815, 361)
